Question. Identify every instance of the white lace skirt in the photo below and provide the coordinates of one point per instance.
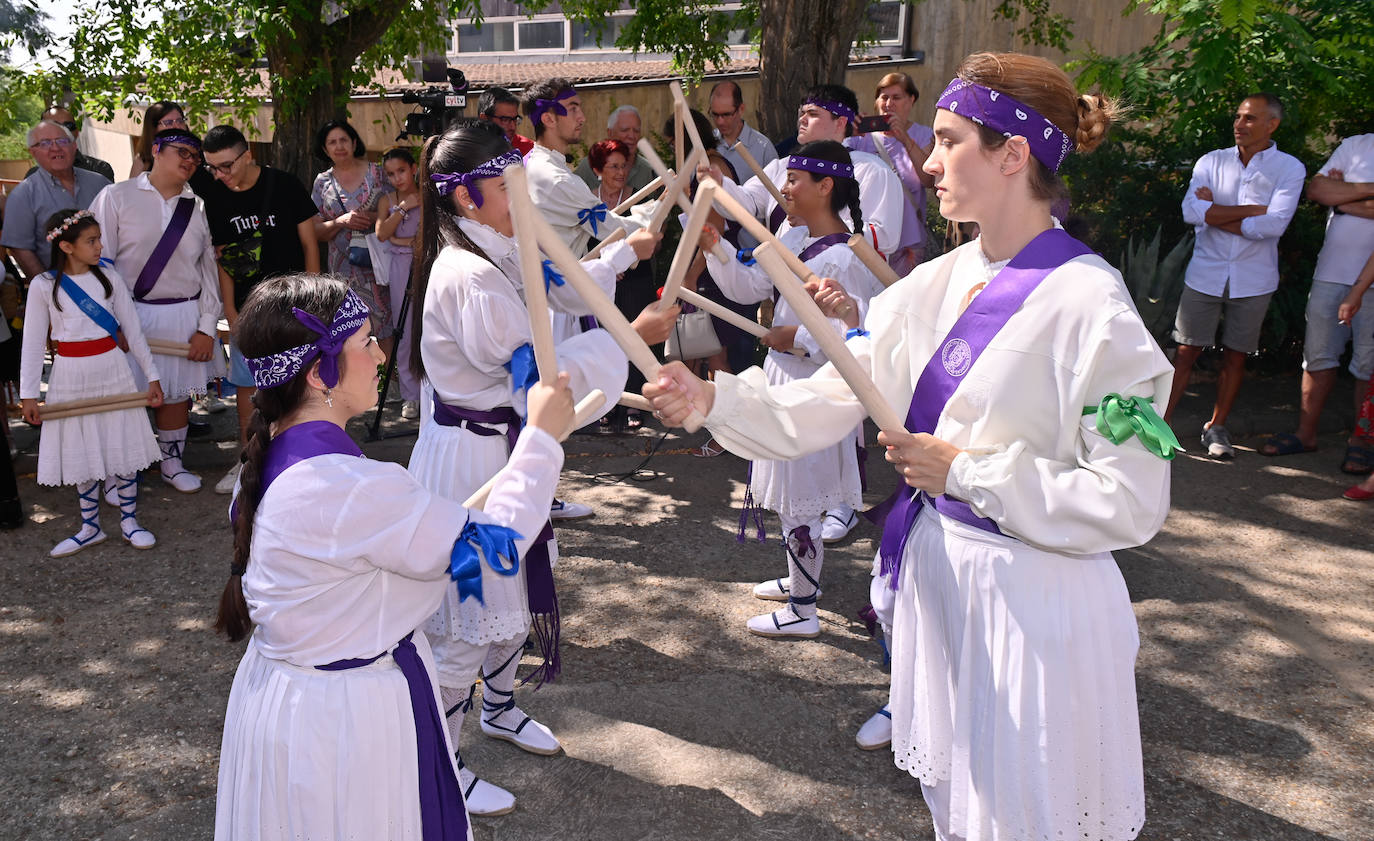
(181, 378)
(805, 488)
(92, 447)
(1013, 688)
(319, 754)
(454, 462)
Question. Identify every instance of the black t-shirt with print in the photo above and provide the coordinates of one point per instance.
(257, 228)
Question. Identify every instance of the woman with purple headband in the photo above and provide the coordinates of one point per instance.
(1032, 437)
(819, 186)
(334, 728)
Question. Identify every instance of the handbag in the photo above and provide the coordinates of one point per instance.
(693, 337)
(359, 256)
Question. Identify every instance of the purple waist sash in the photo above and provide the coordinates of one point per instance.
(971, 334)
(539, 587)
(442, 816)
(165, 301)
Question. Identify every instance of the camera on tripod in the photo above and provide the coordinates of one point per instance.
(439, 106)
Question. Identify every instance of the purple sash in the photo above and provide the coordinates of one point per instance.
(442, 816)
(296, 444)
(539, 588)
(958, 353)
(162, 252)
(820, 246)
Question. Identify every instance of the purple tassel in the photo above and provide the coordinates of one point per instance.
(802, 536)
(543, 601)
(548, 628)
(750, 507)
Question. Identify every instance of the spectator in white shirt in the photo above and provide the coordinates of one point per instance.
(1346, 185)
(1240, 200)
(727, 113)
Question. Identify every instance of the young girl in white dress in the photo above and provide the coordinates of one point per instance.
(472, 345)
(1028, 380)
(820, 185)
(88, 363)
(333, 730)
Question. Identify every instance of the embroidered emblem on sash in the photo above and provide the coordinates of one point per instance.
(957, 357)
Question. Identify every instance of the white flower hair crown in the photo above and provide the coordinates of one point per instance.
(68, 222)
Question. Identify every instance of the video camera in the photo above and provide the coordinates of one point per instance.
(439, 107)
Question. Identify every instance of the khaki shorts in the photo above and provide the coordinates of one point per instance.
(1199, 313)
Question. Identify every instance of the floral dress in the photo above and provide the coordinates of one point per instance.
(334, 201)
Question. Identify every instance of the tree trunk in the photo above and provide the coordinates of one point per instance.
(803, 43)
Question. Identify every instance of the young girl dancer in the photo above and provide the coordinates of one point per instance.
(1033, 442)
(333, 728)
(472, 344)
(820, 184)
(86, 306)
(397, 225)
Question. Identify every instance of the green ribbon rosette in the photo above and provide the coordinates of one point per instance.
(1119, 418)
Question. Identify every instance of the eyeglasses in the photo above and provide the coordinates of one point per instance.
(224, 169)
(510, 121)
(48, 143)
(186, 154)
(172, 122)
(719, 116)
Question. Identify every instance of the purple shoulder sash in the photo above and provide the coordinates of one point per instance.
(820, 246)
(166, 246)
(942, 375)
(296, 444)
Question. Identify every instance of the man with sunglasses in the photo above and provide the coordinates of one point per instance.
(63, 117)
(56, 185)
(155, 230)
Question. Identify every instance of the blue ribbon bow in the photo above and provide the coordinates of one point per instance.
(524, 371)
(592, 214)
(551, 276)
(854, 331)
(326, 346)
(465, 563)
(745, 256)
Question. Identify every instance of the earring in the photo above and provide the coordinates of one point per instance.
(329, 397)
(472, 207)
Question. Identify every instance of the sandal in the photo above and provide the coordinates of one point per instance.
(1358, 493)
(708, 450)
(1362, 459)
(1284, 444)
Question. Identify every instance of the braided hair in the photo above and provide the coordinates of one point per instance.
(846, 192)
(266, 326)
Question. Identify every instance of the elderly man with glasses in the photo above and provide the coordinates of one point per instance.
(624, 124)
(63, 117)
(56, 185)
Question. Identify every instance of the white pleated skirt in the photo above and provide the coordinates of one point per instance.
(454, 462)
(89, 448)
(1013, 688)
(181, 378)
(310, 755)
(807, 487)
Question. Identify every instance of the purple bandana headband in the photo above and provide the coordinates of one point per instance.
(447, 182)
(184, 139)
(999, 112)
(279, 368)
(839, 109)
(820, 167)
(555, 105)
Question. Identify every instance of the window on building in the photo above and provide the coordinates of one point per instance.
(885, 20)
(585, 38)
(490, 37)
(542, 35)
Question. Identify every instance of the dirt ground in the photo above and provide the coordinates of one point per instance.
(1255, 674)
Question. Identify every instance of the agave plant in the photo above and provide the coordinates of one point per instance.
(1154, 284)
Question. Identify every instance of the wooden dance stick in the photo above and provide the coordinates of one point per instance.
(678, 117)
(522, 213)
(665, 202)
(169, 348)
(585, 412)
(684, 112)
(639, 196)
(722, 312)
(887, 418)
(605, 310)
(93, 405)
(749, 161)
(762, 234)
(687, 246)
(869, 256)
(721, 251)
(635, 401)
(616, 236)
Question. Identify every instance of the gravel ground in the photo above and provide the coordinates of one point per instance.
(1255, 676)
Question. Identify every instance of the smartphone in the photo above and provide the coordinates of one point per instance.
(877, 122)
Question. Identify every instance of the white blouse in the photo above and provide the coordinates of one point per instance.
(1032, 461)
(560, 195)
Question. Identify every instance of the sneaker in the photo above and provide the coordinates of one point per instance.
(562, 510)
(838, 523)
(1218, 442)
(212, 404)
(231, 479)
(776, 589)
(876, 732)
(410, 409)
(785, 624)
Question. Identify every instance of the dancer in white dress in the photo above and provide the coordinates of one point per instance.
(333, 730)
(154, 229)
(85, 306)
(819, 186)
(1036, 450)
(472, 345)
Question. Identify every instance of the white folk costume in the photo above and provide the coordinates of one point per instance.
(803, 489)
(476, 351)
(1013, 693)
(334, 727)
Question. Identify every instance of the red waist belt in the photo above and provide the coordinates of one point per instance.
(94, 347)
